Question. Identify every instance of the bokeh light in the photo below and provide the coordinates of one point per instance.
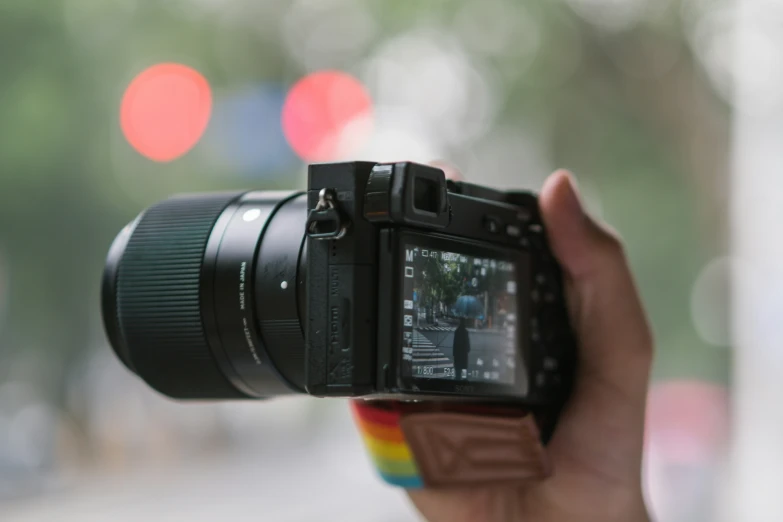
(509, 148)
(327, 115)
(165, 111)
(687, 421)
(400, 135)
(710, 302)
(759, 63)
(712, 35)
(328, 33)
(245, 135)
(428, 74)
(26, 425)
(686, 436)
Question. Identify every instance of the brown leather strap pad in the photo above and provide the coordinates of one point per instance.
(457, 449)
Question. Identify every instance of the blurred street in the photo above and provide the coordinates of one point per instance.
(329, 478)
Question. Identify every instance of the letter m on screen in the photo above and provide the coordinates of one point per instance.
(409, 255)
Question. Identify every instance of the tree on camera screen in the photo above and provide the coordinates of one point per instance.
(459, 317)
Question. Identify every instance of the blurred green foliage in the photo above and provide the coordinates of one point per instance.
(69, 182)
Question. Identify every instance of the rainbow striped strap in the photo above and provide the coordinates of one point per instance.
(429, 449)
(386, 444)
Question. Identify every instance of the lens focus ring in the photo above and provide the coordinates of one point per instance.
(158, 303)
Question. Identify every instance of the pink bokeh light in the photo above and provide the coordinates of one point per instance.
(320, 110)
(165, 111)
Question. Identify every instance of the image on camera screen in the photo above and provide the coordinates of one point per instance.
(459, 317)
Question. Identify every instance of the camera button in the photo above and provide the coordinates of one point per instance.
(535, 295)
(524, 214)
(513, 231)
(535, 335)
(546, 283)
(538, 246)
(540, 379)
(492, 224)
(550, 363)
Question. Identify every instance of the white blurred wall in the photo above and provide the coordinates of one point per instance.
(755, 482)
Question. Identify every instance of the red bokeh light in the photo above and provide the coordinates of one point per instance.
(165, 111)
(319, 111)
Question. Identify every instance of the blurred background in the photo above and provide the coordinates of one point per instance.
(668, 111)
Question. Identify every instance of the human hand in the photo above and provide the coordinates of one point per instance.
(596, 450)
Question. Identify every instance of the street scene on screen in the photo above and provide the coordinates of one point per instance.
(459, 317)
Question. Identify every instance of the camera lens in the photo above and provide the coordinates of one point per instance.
(203, 295)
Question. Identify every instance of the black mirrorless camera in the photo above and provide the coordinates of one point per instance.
(380, 281)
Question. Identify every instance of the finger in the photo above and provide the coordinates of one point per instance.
(606, 412)
(452, 171)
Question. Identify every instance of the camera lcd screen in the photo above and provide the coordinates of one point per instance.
(459, 314)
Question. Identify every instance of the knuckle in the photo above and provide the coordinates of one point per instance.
(609, 241)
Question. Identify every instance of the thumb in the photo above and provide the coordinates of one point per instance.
(604, 420)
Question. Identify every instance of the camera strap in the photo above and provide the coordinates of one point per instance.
(440, 445)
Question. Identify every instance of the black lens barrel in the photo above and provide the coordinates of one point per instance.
(236, 260)
(154, 316)
(202, 295)
(279, 290)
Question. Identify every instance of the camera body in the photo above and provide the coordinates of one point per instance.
(390, 247)
(382, 281)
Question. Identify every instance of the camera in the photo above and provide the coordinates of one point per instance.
(380, 281)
